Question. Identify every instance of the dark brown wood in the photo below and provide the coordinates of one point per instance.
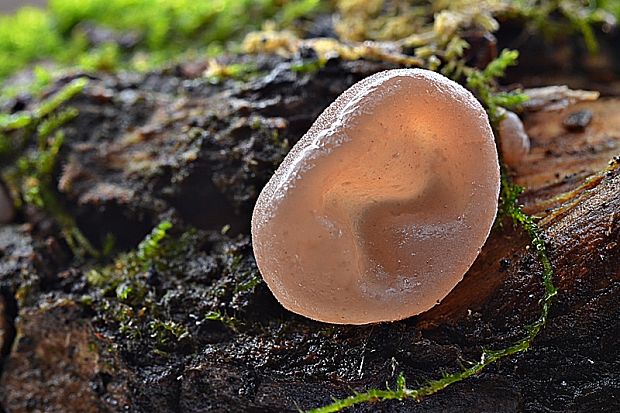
(69, 354)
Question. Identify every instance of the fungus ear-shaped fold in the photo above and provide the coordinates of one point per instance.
(381, 208)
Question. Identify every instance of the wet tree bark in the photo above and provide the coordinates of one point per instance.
(172, 145)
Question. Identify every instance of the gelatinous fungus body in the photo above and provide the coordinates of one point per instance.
(381, 208)
(514, 142)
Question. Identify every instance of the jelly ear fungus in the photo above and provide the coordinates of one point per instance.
(381, 208)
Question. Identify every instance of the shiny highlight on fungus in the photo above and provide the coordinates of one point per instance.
(381, 208)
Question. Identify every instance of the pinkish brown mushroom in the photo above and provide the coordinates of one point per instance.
(381, 208)
(514, 142)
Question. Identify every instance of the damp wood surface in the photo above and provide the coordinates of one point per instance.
(172, 145)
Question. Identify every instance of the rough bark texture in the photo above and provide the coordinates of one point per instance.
(172, 145)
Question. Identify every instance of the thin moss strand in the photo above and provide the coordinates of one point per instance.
(482, 82)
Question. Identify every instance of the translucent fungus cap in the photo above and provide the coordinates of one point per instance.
(381, 208)
(514, 142)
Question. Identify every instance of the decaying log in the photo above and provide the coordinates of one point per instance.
(173, 145)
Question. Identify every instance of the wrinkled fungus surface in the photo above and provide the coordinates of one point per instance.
(381, 208)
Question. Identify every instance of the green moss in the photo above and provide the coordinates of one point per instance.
(40, 117)
(54, 122)
(510, 194)
(394, 20)
(14, 121)
(167, 333)
(432, 32)
(248, 285)
(25, 37)
(121, 275)
(164, 30)
(30, 176)
(559, 18)
(107, 57)
(63, 95)
(167, 31)
(488, 356)
(309, 66)
(150, 248)
(222, 318)
(126, 298)
(86, 300)
(130, 292)
(484, 83)
(216, 72)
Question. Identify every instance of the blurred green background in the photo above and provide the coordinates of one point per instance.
(140, 35)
